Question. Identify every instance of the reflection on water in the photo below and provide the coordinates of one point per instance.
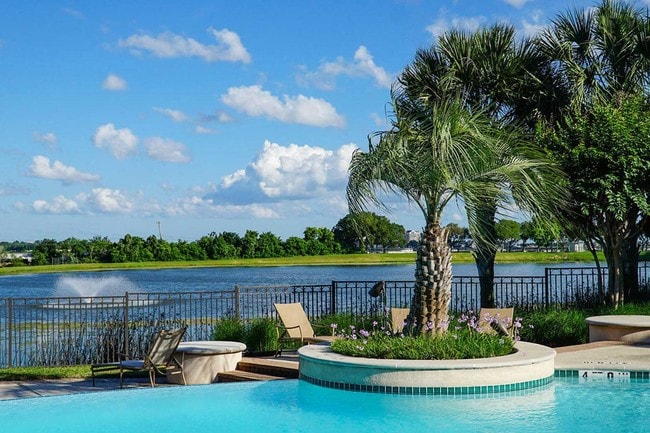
(109, 283)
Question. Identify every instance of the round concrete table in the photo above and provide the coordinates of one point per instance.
(202, 361)
(614, 327)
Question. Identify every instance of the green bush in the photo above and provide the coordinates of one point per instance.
(229, 329)
(555, 328)
(463, 340)
(261, 336)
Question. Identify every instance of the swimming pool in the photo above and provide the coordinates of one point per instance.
(567, 405)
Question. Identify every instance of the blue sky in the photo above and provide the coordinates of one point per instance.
(205, 115)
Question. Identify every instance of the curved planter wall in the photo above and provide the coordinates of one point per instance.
(531, 366)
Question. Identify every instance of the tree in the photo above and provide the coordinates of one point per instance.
(491, 72)
(608, 152)
(601, 57)
(45, 252)
(269, 245)
(249, 244)
(508, 232)
(525, 233)
(436, 151)
(320, 241)
(295, 246)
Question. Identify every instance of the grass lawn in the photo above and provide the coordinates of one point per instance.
(331, 260)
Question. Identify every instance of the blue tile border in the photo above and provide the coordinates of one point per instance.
(431, 390)
(635, 375)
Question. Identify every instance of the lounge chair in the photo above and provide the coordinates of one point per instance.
(499, 320)
(160, 355)
(295, 326)
(398, 319)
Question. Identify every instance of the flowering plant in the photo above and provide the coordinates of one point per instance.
(466, 337)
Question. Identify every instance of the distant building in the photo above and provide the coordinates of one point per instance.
(412, 238)
(412, 235)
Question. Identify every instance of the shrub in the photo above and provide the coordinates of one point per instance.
(229, 329)
(261, 336)
(463, 340)
(555, 328)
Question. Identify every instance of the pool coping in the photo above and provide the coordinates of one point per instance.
(530, 366)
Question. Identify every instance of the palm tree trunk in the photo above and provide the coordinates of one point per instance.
(432, 280)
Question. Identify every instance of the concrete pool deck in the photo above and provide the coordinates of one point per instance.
(602, 355)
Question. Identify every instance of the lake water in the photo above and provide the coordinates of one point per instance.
(214, 279)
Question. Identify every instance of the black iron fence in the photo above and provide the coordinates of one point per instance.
(82, 330)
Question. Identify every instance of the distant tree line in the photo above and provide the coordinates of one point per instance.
(350, 235)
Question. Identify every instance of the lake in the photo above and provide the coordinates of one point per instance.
(214, 279)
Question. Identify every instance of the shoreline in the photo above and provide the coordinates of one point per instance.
(330, 260)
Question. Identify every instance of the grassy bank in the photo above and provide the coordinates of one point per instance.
(331, 260)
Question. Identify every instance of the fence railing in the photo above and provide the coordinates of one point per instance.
(83, 330)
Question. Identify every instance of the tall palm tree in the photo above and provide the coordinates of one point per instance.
(436, 151)
(511, 83)
(601, 56)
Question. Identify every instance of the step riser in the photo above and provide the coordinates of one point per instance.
(260, 369)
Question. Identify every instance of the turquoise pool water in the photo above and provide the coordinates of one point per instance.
(295, 406)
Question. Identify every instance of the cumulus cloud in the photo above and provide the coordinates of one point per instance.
(363, 65)
(164, 149)
(442, 25)
(41, 167)
(286, 173)
(175, 115)
(200, 129)
(229, 47)
(48, 138)
(535, 25)
(58, 205)
(113, 82)
(254, 101)
(8, 189)
(517, 3)
(122, 143)
(98, 200)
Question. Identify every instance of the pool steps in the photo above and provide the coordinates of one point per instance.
(261, 369)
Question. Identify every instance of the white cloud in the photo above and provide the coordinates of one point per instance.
(200, 129)
(463, 23)
(98, 200)
(535, 25)
(170, 45)
(529, 29)
(204, 206)
(41, 167)
(164, 149)
(47, 138)
(122, 143)
(517, 3)
(59, 205)
(363, 65)
(254, 101)
(175, 115)
(74, 13)
(113, 82)
(287, 173)
(108, 200)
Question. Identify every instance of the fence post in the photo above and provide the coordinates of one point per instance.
(126, 324)
(333, 298)
(9, 332)
(547, 287)
(237, 300)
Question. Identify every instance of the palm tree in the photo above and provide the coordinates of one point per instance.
(436, 151)
(601, 56)
(511, 83)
